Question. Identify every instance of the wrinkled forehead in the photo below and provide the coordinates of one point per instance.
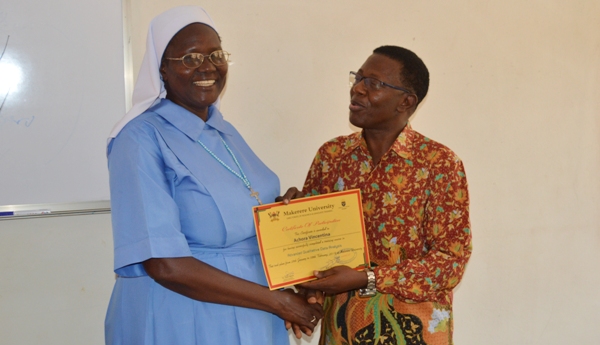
(382, 67)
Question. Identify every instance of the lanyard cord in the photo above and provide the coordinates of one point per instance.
(241, 176)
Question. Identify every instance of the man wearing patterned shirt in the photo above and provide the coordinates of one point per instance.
(416, 211)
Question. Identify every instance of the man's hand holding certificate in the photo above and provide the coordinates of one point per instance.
(314, 233)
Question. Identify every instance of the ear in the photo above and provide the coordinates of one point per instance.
(163, 71)
(408, 103)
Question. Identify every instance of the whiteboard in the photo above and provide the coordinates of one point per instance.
(61, 91)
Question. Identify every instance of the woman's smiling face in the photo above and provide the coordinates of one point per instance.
(193, 88)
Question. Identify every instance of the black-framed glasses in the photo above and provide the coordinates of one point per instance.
(372, 83)
(194, 60)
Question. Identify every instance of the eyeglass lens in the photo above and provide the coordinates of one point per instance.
(194, 60)
(370, 83)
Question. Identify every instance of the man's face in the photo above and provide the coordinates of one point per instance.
(378, 109)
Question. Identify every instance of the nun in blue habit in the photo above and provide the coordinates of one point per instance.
(183, 183)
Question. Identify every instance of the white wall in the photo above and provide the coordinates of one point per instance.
(56, 279)
(515, 91)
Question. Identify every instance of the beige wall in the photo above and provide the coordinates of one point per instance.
(515, 91)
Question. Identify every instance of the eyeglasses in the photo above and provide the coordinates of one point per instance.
(194, 60)
(372, 83)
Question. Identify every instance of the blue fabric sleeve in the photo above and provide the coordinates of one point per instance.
(145, 217)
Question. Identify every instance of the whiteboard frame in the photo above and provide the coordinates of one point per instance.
(58, 209)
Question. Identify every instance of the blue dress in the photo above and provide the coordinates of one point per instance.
(171, 198)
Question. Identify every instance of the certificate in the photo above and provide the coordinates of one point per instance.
(313, 233)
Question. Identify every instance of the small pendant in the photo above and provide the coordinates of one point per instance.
(254, 194)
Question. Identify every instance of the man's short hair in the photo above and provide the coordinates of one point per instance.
(414, 75)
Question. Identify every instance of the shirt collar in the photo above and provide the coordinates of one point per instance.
(187, 122)
(401, 146)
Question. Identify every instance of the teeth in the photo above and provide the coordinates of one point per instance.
(204, 83)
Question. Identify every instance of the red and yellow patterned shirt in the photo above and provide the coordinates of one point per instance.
(416, 211)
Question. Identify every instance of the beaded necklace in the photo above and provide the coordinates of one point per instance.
(241, 176)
